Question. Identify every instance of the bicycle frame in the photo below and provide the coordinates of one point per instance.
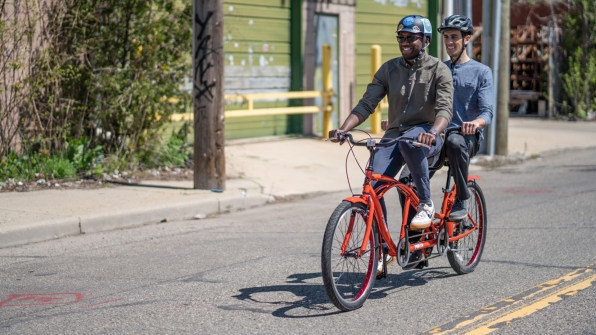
(370, 198)
(440, 219)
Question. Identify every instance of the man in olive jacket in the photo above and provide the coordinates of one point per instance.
(419, 91)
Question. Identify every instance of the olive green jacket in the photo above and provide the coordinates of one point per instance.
(416, 94)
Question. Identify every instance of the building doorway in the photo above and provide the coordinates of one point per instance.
(333, 24)
(326, 32)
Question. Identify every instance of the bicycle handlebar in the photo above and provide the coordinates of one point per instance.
(342, 136)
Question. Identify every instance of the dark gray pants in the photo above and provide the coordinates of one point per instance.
(459, 149)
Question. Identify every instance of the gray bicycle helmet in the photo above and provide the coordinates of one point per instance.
(459, 22)
(416, 24)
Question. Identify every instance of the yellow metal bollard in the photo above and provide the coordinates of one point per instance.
(327, 91)
(375, 63)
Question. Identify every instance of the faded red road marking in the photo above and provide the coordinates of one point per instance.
(526, 191)
(37, 299)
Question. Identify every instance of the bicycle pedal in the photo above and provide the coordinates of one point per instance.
(467, 224)
(422, 264)
(416, 258)
(381, 273)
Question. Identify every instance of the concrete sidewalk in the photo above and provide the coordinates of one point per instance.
(258, 172)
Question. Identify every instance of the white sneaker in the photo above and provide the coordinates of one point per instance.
(388, 260)
(422, 219)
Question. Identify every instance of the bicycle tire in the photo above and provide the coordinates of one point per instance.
(348, 279)
(465, 261)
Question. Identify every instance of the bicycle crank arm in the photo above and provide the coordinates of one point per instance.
(462, 249)
(431, 257)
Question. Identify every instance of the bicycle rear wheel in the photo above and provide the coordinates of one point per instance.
(465, 253)
(347, 276)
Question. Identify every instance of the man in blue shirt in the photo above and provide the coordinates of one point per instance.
(472, 111)
(473, 103)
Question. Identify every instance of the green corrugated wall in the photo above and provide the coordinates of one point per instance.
(257, 60)
(257, 45)
(376, 22)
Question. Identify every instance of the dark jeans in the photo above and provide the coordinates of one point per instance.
(389, 160)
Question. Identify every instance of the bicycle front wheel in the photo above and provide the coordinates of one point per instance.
(465, 253)
(347, 275)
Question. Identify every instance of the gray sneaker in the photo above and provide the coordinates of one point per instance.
(459, 210)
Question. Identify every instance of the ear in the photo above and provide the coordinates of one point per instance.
(467, 38)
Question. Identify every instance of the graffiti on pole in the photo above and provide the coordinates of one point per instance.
(207, 95)
(202, 60)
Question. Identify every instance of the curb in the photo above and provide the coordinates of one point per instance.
(59, 228)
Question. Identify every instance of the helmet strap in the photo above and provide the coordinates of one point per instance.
(464, 45)
(454, 62)
(426, 44)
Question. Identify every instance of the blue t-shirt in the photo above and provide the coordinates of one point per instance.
(473, 94)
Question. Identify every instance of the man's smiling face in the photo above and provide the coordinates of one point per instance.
(409, 44)
(452, 38)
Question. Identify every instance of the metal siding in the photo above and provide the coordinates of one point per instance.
(267, 3)
(257, 47)
(257, 59)
(257, 126)
(260, 30)
(376, 21)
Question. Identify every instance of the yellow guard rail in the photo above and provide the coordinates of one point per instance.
(326, 94)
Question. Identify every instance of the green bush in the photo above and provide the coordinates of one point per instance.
(18, 167)
(84, 159)
(579, 78)
(175, 150)
(97, 92)
(58, 168)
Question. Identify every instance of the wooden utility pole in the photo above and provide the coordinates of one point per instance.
(502, 128)
(208, 94)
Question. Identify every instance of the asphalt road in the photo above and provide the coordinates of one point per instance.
(258, 271)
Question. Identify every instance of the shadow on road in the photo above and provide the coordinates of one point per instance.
(313, 300)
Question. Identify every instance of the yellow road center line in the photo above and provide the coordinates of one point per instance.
(494, 309)
(523, 311)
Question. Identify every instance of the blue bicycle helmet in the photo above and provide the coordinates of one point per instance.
(416, 24)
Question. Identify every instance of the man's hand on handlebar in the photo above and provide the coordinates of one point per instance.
(337, 135)
(428, 139)
(469, 128)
